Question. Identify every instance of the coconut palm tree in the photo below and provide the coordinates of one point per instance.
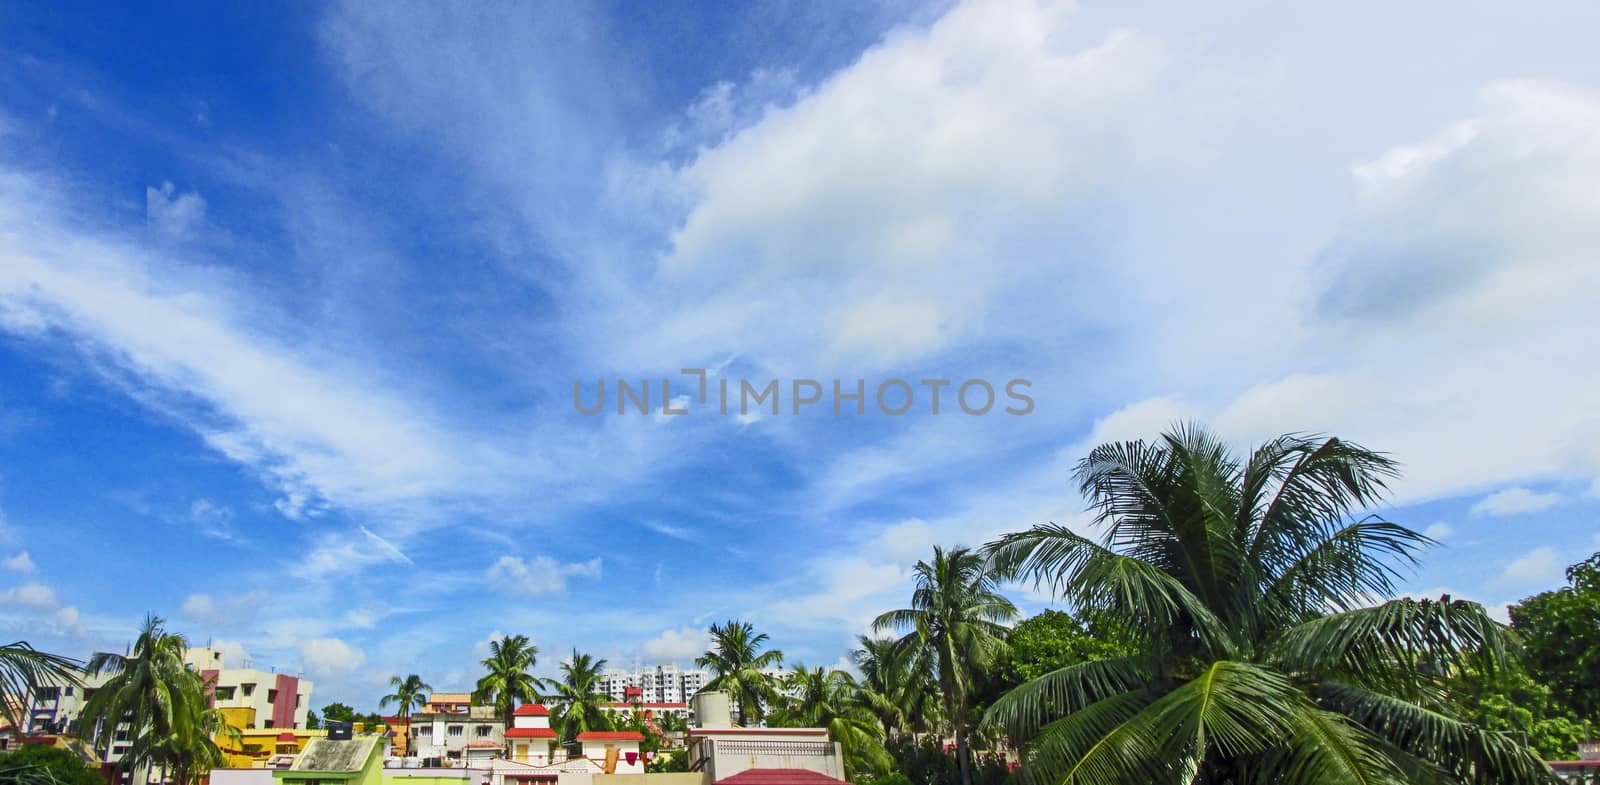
(1268, 654)
(509, 680)
(736, 663)
(956, 624)
(409, 693)
(23, 670)
(582, 697)
(824, 699)
(161, 703)
(901, 696)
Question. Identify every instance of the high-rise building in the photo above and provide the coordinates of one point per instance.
(664, 683)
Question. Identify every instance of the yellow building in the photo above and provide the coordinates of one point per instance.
(255, 746)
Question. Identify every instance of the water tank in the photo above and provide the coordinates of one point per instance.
(338, 729)
(711, 710)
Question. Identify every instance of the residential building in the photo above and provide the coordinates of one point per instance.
(448, 723)
(275, 700)
(357, 761)
(663, 683)
(724, 750)
(530, 736)
(648, 710)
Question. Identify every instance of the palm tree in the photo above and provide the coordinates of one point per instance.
(409, 693)
(1267, 653)
(736, 662)
(582, 697)
(956, 624)
(509, 680)
(23, 670)
(892, 687)
(162, 703)
(824, 699)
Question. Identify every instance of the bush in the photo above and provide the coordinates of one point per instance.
(37, 764)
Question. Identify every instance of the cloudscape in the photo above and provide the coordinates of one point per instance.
(302, 306)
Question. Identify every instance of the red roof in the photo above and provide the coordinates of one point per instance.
(532, 710)
(611, 735)
(530, 733)
(286, 736)
(483, 745)
(650, 705)
(779, 777)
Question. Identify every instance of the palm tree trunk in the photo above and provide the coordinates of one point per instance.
(962, 756)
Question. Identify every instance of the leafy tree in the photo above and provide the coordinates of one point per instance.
(509, 680)
(163, 704)
(894, 688)
(1561, 632)
(1054, 639)
(736, 663)
(312, 722)
(1262, 657)
(409, 693)
(824, 699)
(24, 669)
(956, 624)
(582, 698)
(339, 712)
(39, 764)
(923, 760)
(1512, 702)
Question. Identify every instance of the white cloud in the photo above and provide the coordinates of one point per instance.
(1438, 530)
(171, 213)
(21, 562)
(675, 532)
(679, 645)
(35, 596)
(234, 653)
(213, 519)
(330, 657)
(537, 576)
(1515, 501)
(1538, 567)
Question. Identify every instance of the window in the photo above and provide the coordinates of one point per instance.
(272, 696)
(49, 693)
(247, 689)
(267, 724)
(484, 731)
(69, 691)
(455, 730)
(224, 693)
(297, 699)
(122, 734)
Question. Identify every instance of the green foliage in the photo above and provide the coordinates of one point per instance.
(1513, 702)
(736, 661)
(924, 761)
(895, 687)
(667, 762)
(1054, 639)
(1561, 631)
(828, 699)
(955, 627)
(338, 712)
(409, 693)
(581, 697)
(38, 764)
(171, 722)
(1249, 587)
(312, 721)
(509, 680)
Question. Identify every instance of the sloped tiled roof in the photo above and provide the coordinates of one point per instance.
(779, 777)
(532, 710)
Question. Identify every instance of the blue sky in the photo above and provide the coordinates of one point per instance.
(292, 299)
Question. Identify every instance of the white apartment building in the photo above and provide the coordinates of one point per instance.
(277, 700)
(663, 683)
